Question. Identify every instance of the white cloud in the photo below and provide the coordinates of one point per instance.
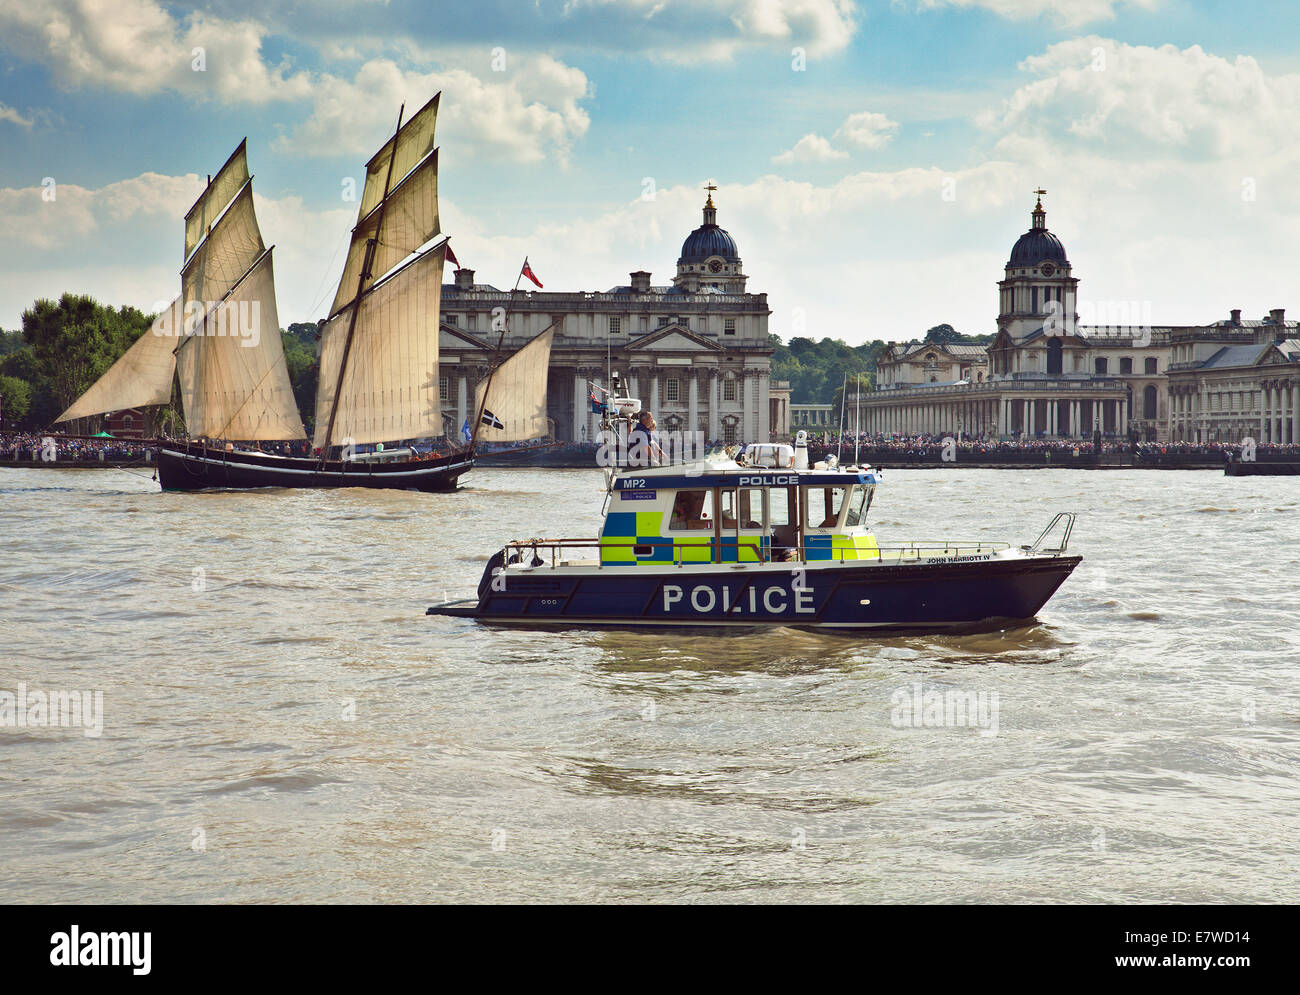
(867, 130)
(531, 112)
(137, 47)
(1132, 101)
(7, 113)
(1071, 13)
(810, 148)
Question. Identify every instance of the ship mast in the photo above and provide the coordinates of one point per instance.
(371, 244)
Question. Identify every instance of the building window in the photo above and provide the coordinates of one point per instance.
(442, 388)
(671, 389)
(684, 321)
(1126, 364)
(728, 434)
(663, 322)
(615, 325)
(729, 389)
(471, 321)
(557, 320)
(1151, 365)
(729, 326)
(1099, 366)
(645, 323)
(453, 319)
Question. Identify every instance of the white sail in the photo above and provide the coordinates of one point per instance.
(410, 219)
(141, 376)
(222, 259)
(517, 395)
(229, 179)
(389, 388)
(414, 142)
(234, 382)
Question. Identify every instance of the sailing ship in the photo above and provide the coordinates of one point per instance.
(378, 355)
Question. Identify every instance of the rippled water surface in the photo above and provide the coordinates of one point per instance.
(297, 730)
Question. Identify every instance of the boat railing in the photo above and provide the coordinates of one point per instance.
(1062, 523)
(536, 552)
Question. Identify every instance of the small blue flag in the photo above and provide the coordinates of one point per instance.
(464, 430)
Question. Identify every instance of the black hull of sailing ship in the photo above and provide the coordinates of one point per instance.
(197, 468)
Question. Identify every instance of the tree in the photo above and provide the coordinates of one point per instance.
(15, 398)
(77, 339)
(300, 361)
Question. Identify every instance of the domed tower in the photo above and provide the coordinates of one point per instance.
(710, 259)
(1038, 291)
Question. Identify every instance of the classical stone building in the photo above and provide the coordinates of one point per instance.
(1049, 375)
(915, 363)
(1045, 376)
(696, 352)
(1236, 379)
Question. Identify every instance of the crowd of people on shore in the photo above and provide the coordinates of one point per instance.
(935, 445)
(28, 446)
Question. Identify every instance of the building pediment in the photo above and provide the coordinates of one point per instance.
(451, 338)
(674, 338)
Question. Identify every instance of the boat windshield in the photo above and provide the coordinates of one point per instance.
(859, 502)
(824, 504)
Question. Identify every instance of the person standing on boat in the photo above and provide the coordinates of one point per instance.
(642, 445)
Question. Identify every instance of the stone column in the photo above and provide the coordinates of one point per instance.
(714, 393)
(462, 405)
(692, 404)
(579, 405)
(764, 407)
(1295, 411)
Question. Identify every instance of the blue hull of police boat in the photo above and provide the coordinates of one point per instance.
(970, 595)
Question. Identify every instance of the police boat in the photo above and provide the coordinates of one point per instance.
(757, 537)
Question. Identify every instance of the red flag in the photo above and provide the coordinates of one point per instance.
(528, 272)
(451, 257)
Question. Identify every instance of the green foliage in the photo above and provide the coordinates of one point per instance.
(42, 406)
(77, 339)
(816, 370)
(10, 342)
(945, 334)
(300, 360)
(15, 399)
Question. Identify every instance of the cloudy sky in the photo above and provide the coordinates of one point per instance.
(874, 159)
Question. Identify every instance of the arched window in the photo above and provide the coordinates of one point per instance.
(1149, 402)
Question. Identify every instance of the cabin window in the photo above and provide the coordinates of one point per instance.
(824, 504)
(692, 510)
(858, 505)
(779, 506)
(751, 508)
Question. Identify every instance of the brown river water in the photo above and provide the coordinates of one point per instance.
(281, 722)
